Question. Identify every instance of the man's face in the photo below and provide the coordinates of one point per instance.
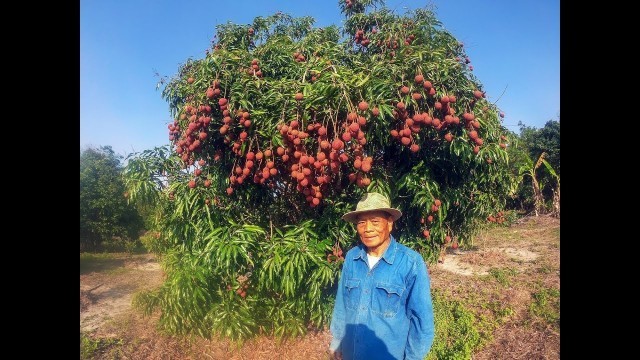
(374, 228)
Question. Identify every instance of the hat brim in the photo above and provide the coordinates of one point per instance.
(352, 216)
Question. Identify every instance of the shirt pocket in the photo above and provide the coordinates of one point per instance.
(352, 293)
(386, 299)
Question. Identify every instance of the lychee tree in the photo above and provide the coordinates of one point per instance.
(279, 130)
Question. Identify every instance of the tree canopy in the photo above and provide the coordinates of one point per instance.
(279, 130)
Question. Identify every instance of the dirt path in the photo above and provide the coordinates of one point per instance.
(106, 290)
(506, 266)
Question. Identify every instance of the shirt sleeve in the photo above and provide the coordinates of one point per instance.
(338, 318)
(420, 312)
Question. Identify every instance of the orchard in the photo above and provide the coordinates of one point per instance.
(278, 130)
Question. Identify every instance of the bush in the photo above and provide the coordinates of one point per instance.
(154, 242)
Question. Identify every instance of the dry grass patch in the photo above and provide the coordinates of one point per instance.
(514, 341)
(488, 258)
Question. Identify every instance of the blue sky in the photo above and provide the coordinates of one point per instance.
(514, 47)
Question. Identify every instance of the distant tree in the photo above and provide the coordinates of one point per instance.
(522, 196)
(533, 143)
(104, 210)
(546, 139)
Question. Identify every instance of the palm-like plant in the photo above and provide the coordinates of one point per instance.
(556, 191)
(528, 169)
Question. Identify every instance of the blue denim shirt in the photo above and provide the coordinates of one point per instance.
(385, 312)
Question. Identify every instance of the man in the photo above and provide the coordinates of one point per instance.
(383, 305)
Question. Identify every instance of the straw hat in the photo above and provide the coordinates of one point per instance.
(372, 202)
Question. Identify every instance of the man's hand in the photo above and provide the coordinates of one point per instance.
(336, 355)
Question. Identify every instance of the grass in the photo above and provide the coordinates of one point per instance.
(118, 245)
(545, 269)
(501, 311)
(101, 262)
(457, 330)
(546, 306)
(503, 275)
(90, 348)
(490, 308)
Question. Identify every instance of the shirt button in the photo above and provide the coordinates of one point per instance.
(366, 291)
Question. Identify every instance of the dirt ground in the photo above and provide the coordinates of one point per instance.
(504, 268)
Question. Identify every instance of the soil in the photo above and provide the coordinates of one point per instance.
(106, 294)
(528, 252)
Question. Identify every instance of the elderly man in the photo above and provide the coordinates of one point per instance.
(383, 305)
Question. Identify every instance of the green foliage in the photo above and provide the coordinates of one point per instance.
(502, 275)
(457, 335)
(118, 245)
(510, 217)
(546, 306)
(532, 143)
(104, 211)
(546, 139)
(521, 196)
(154, 242)
(90, 348)
(254, 242)
(285, 280)
(501, 312)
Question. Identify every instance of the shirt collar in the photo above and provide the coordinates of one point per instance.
(389, 254)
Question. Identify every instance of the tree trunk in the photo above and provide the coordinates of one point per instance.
(556, 202)
(537, 197)
(537, 192)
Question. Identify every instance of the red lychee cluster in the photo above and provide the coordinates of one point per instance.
(254, 69)
(336, 254)
(499, 218)
(430, 217)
